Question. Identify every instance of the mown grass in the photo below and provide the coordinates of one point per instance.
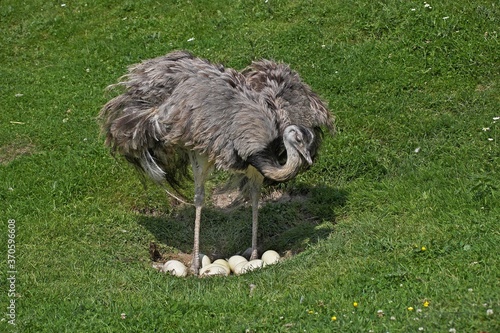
(401, 210)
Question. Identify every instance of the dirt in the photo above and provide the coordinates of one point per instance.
(226, 199)
(15, 149)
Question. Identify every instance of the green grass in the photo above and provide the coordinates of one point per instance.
(415, 164)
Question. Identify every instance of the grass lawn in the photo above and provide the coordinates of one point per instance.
(394, 229)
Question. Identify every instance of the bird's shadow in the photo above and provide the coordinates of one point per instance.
(288, 223)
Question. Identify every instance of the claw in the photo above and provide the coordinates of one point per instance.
(254, 255)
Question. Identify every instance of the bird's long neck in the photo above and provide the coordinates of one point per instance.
(272, 169)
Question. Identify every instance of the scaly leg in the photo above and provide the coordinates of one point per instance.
(255, 182)
(195, 266)
(201, 169)
(255, 224)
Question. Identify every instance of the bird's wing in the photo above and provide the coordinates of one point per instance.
(297, 103)
(217, 114)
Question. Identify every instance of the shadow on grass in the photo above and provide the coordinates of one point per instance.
(288, 224)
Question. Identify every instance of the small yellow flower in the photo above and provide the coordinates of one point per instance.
(426, 304)
(410, 308)
(423, 248)
(355, 304)
(310, 311)
(334, 318)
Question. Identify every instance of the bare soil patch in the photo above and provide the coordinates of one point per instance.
(15, 149)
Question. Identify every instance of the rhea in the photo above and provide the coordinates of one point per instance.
(263, 124)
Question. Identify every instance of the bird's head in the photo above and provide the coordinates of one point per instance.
(300, 138)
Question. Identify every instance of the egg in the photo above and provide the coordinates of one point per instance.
(270, 257)
(238, 268)
(222, 262)
(252, 265)
(175, 267)
(214, 269)
(204, 260)
(235, 260)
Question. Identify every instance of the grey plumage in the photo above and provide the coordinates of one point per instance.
(262, 123)
(295, 102)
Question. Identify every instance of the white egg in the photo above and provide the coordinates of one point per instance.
(235, 260)
(175, 267)
(222, 262)
(252, 265)
(270, 257)
(214, 269)
(204, 260)
(238, 268)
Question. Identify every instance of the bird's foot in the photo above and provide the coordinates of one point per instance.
(254, 255)
(194, 269)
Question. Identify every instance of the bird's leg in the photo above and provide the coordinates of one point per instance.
(201, 169)
(255, 195)
(255, 180)
(198, 203)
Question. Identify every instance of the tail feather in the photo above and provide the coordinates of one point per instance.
(137, 135)
(162, 166)
(132, 124)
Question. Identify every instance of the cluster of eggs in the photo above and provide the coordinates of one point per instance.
(236, 264)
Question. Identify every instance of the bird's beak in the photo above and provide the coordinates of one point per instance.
(307, 157)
